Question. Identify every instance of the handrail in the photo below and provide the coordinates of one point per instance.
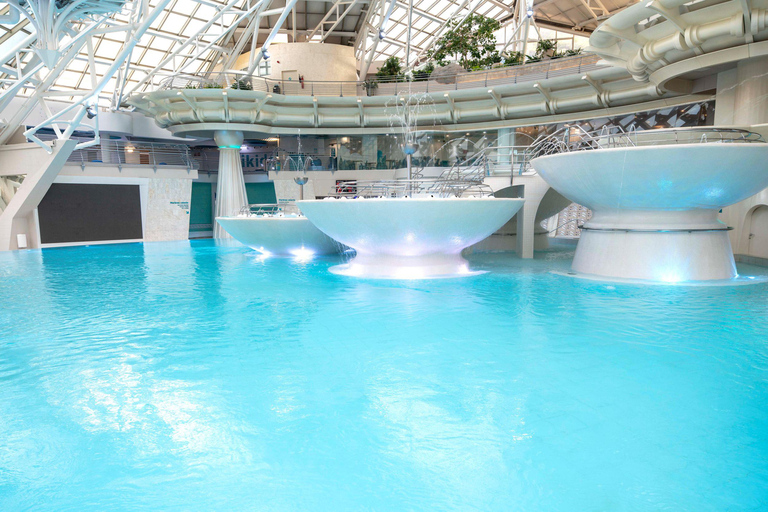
(386, 87)
(270, 210)
(122, 152)
(565, 140)
(410, 188)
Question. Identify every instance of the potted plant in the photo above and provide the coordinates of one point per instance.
(546, 48)
(370, 85)
(513, 58)
(243, 85)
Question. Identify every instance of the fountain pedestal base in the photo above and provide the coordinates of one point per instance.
(666, 256)
(426, 266)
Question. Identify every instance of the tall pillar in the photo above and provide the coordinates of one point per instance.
(230, 188)
(751, 98)
(504, 141)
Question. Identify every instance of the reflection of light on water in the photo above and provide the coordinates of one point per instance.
(303, 254)
(150, 416)
(445, 448)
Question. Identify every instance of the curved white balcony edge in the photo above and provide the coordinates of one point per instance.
(607, 91)
(660, 40)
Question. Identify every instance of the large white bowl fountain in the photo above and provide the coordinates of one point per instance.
(409, 237)
(655, 197)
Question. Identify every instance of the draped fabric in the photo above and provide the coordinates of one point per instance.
(230, 189)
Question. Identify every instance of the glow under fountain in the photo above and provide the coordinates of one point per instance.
(410, 229)
(655, 197)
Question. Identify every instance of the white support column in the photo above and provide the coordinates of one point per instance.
(230, 187)
(741, 101)
(505, 141)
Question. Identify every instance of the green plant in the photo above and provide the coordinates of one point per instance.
(390, 68)
(545, 47)
(513, 58)
(424, 73)
(370, 86)
(571, 53)
(530, 59)
(212, 85)
(471, 42)
(243, 85)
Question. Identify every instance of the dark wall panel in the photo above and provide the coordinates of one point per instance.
(90, 213)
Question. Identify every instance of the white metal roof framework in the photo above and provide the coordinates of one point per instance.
(104, 57)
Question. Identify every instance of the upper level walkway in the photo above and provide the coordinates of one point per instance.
(532, 72)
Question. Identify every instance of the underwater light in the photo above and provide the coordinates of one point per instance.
(303, 254)
(671, 277)
(409, 273)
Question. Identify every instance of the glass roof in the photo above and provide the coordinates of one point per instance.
(188, 22)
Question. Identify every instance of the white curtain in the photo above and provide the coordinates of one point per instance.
(230, 189)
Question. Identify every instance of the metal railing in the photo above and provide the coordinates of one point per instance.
(270, 210)
(575, 138)
(410, 188)
(119, 152)
(530, 72)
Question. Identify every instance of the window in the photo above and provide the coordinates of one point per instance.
(265, 69)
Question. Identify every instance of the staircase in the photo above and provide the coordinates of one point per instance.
(26, 173)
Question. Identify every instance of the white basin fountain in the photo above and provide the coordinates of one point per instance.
(655, 198)
(278, 230)
(414, 237)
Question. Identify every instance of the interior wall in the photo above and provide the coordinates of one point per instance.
(167, 216)
(164, 197)
(315, 62)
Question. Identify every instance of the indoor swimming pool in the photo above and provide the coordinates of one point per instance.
(198, 376)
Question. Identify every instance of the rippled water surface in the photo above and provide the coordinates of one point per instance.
(186, 376)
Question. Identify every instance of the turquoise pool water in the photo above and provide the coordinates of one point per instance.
(197, 377)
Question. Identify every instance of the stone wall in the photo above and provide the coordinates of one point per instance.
(167, 216)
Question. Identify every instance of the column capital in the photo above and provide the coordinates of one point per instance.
(228, 139)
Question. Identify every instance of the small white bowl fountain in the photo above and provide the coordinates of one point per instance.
(278, 230)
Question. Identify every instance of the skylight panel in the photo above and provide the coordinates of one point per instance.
(205, 12)
(174, 23)
(108, 48)
(68, 79)
(186, 7)
(152, 58)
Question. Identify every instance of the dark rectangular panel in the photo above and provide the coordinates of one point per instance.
(90, 213)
